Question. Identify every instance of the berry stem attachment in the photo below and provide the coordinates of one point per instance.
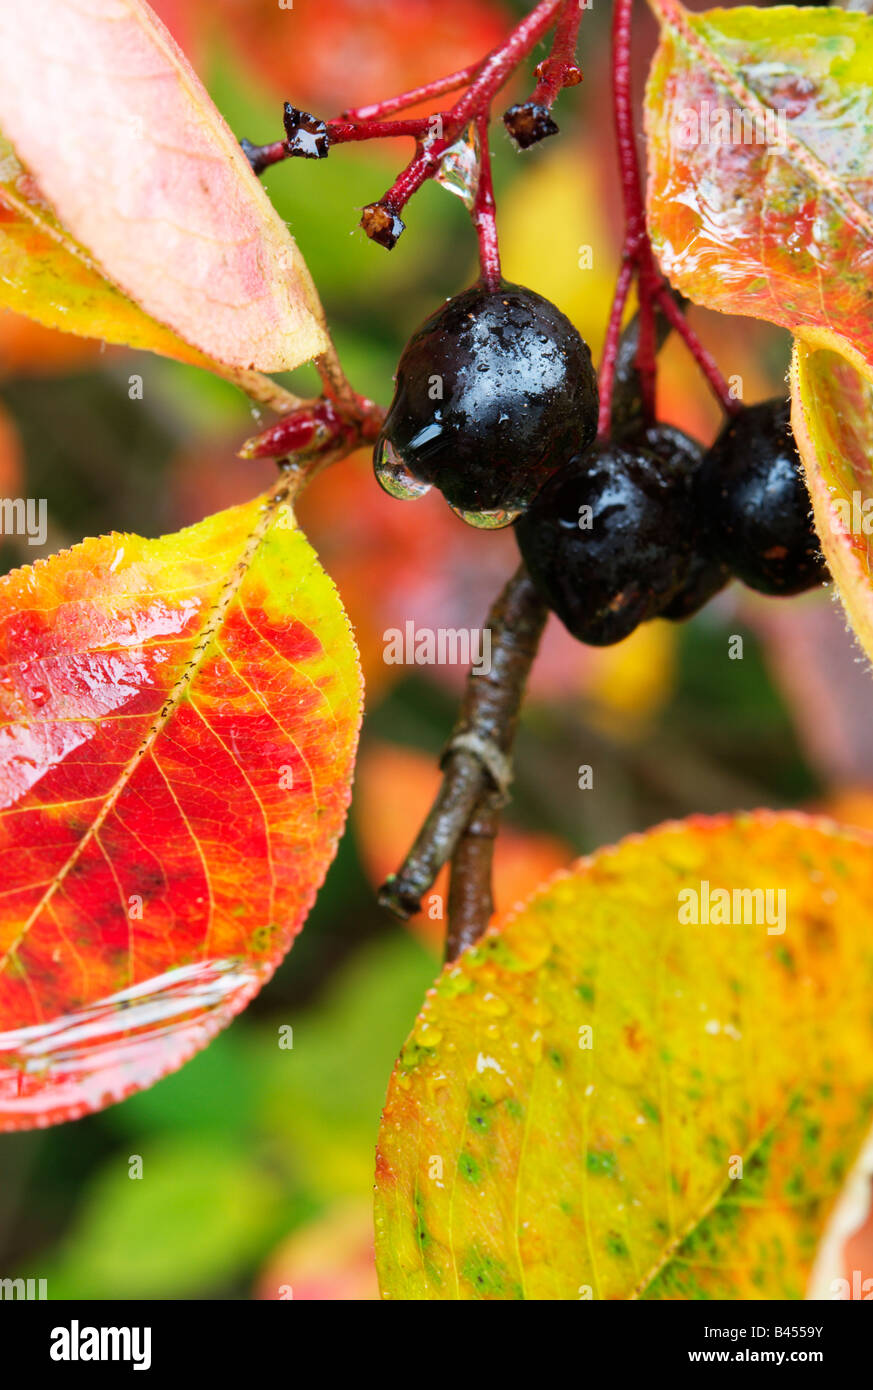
(475, 771)
(483, 212)
(638, 260)
(703, 358)
(610, 351)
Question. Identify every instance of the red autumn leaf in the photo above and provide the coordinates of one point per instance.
(178, 722)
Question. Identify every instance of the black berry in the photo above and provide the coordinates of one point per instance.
(493, 393)
(607, 541)
(681, 457)
(751, 496)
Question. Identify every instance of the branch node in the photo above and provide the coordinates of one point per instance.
(485, 750)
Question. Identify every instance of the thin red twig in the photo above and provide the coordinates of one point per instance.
(484, 218)
(636, 237)
(341, 132)
(451, 83)
(638, 259)
(560, 69)
(701, 355)
(476, 101)
(610, 350)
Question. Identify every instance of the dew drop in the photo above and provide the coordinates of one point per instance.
(487, 521)
(394, 476)
(459, 167)
(426, 1035)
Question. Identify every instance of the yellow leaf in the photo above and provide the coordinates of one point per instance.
(604, 1099)
(832, 421)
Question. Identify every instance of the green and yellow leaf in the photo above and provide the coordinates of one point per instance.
(606, 1100)
(832, 421)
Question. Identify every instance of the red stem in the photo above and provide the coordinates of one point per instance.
(638, 257)
(560, 68)
(341, 132)
(476, 101)
(484, 212)
(437, 88)
(702, 357)
(636, 237)
(610, 350)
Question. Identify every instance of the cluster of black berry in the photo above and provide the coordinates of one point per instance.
(496, 405)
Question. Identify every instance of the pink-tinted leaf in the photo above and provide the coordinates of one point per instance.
(178, 723)
(106, 113)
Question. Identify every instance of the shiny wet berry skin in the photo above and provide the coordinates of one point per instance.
(681, 458)
(753, 501)
(628, 558)
(493, 393)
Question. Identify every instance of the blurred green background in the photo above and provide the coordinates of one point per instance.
(257, 1161)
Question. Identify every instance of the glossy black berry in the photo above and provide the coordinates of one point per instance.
(681, 457)
(493, 393)
(751, 496)
(607, 541)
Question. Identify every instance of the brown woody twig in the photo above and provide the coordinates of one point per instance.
(476, 772)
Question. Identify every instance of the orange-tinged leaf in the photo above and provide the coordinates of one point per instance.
(103, 109)
(178, 723)
(780, 230)
(49, 277)
(602, 1100)
(832, 421)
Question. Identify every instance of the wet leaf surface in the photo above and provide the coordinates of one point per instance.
(604, 1101)
(178, 723)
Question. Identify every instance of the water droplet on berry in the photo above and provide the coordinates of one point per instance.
(394, 476)
(459, 168)
(487, 521)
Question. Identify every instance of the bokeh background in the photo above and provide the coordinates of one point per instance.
(258, 1161)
